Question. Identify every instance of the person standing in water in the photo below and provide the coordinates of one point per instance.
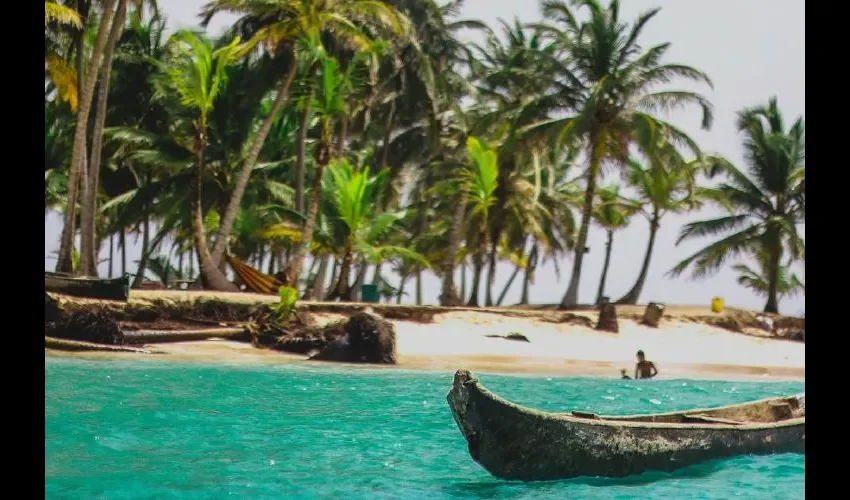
(623, 375)
(644, 368)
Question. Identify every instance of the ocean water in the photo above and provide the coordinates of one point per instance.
(158, 429)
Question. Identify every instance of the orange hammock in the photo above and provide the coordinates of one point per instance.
(254, 280)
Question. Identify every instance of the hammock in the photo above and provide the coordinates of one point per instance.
(254, 280)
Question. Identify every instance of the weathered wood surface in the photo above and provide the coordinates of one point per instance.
(513, 442)
(90, 288)
(78, 345)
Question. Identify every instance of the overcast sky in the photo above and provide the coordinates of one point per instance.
(752, 50)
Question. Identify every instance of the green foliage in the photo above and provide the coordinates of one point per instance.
(286, 306)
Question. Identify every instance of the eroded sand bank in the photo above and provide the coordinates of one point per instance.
(459, 339)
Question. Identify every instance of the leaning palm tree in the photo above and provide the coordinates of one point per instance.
(280, 26)
(765, 207)
(612, 213)
(617, 100)
(667, 185)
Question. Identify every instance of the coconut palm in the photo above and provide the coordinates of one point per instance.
(195, 74)
(765, 207)
(60, 74)
(88, 208)
(616, 84)
(756, 279)
(78, 153)
(612, 213)
(352, 194)
(279, 26)
(666, 185)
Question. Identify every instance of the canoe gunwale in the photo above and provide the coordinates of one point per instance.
(611, 420)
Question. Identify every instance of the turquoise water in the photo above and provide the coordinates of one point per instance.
(153, 429)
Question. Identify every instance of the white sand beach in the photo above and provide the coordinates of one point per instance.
(459, 339)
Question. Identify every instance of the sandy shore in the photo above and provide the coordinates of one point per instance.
(459, 339)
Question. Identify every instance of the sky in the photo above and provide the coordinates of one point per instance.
(751, 50)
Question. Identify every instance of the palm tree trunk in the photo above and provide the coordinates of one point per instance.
(529, 272)
(88, 250)
(400, 293)
(508, 285)
(334, 275)
(211, 275)
(772, 305)
(462, 282)
(143, 259)
(65, 259)
(303, 127)
(122, 241)
(354, 293)
(341, 290)
(191, 253)
(609, 243)
(385, 144)
(633, 295)
(449, 296)
(229, 217)
(310, 219)
(418, 287)
(376, 277)
(317, 292)
(477, 267)
(571, 297)
(111, 254)
(180, 263)
(491, 275)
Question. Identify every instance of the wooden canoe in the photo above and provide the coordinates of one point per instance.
(517, 443)
(90, 288)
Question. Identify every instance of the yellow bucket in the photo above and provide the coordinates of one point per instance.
(717, 305)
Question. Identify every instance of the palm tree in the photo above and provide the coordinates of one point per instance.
(196, 75)
(756, 280)
(612, 213)
(668, 185)
(279, 26)
(61, 75)
(478, 184)
(764, 207)
(78, 153)
(352, 195)
(62, 14)
(88, 249)
(615, 82)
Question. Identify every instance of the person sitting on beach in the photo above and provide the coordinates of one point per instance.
(623, 375)
(644, 368)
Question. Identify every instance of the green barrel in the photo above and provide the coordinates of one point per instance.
(369, 293)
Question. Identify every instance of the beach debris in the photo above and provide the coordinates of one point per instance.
(367, 339)
(608, 318)
(52, 311)
(652, 314)
(88, 325)
(79, 345)
(511, 336)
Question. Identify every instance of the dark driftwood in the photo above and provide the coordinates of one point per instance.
(164, 336)
(90, 288)
(513, 442)
(78, 345)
